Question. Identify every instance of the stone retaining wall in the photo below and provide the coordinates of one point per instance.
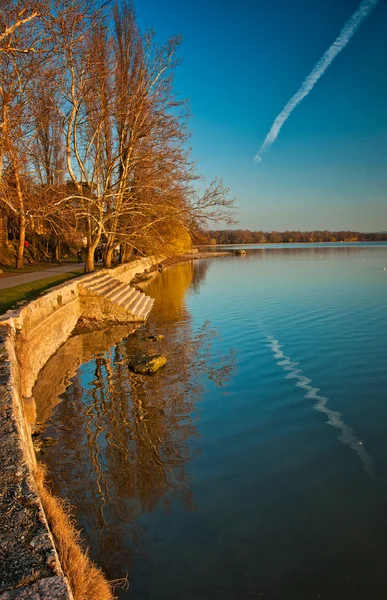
(29, 564)
(27, 551)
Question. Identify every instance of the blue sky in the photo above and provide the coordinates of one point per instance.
(242, 61)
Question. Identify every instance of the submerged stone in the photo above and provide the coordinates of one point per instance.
(145, 363)
(40, 444)
(154, 338)
(139, 277)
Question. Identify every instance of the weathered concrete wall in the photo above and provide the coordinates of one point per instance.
(29, 564)
(27, 551)
(42, 327)
(45, 324)
(126, 272)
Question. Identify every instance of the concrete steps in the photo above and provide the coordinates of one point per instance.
(121, 294)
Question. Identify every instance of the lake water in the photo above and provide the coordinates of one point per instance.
(254, 465)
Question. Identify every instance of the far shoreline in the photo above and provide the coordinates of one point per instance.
(202, 254)
(378, 242)
(177, 260)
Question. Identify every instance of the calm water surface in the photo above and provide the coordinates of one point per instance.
(254, 465)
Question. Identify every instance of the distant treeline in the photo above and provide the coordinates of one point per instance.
(245, 236)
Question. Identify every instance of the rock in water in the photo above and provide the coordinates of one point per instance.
(154, 338)
(144, 364)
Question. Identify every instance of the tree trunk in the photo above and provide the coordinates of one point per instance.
(89, 262)
(7, 225)
(108, 257)
(22, 239)
(3, 227)
(34, 244)
(56, 250)
(22, 218)
(127, 253)
(92, 243)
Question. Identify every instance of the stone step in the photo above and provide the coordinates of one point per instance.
(104, 287)
(97, 281)
(125, 295)
(148, 308)
(139, 306)
(94, 279)
(99, 284)
(129, 298)
(136, 303)
(145, 310)
(131, 301)
(116, 291)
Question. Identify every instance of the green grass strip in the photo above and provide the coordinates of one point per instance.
(29, 291)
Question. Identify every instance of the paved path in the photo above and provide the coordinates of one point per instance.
(9, 282)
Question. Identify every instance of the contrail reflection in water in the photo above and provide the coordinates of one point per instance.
(334, 418)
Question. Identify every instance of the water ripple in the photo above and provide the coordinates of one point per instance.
(347, 435)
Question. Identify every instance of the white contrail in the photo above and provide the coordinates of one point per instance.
(334, 418)
(350, 27)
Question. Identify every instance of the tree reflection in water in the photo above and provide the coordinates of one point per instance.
(125, 440)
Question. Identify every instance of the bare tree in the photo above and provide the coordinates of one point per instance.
(155, 195)
(95, 97)
(23, 57)
(15, 18)
(16, 75)
(86, 92)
